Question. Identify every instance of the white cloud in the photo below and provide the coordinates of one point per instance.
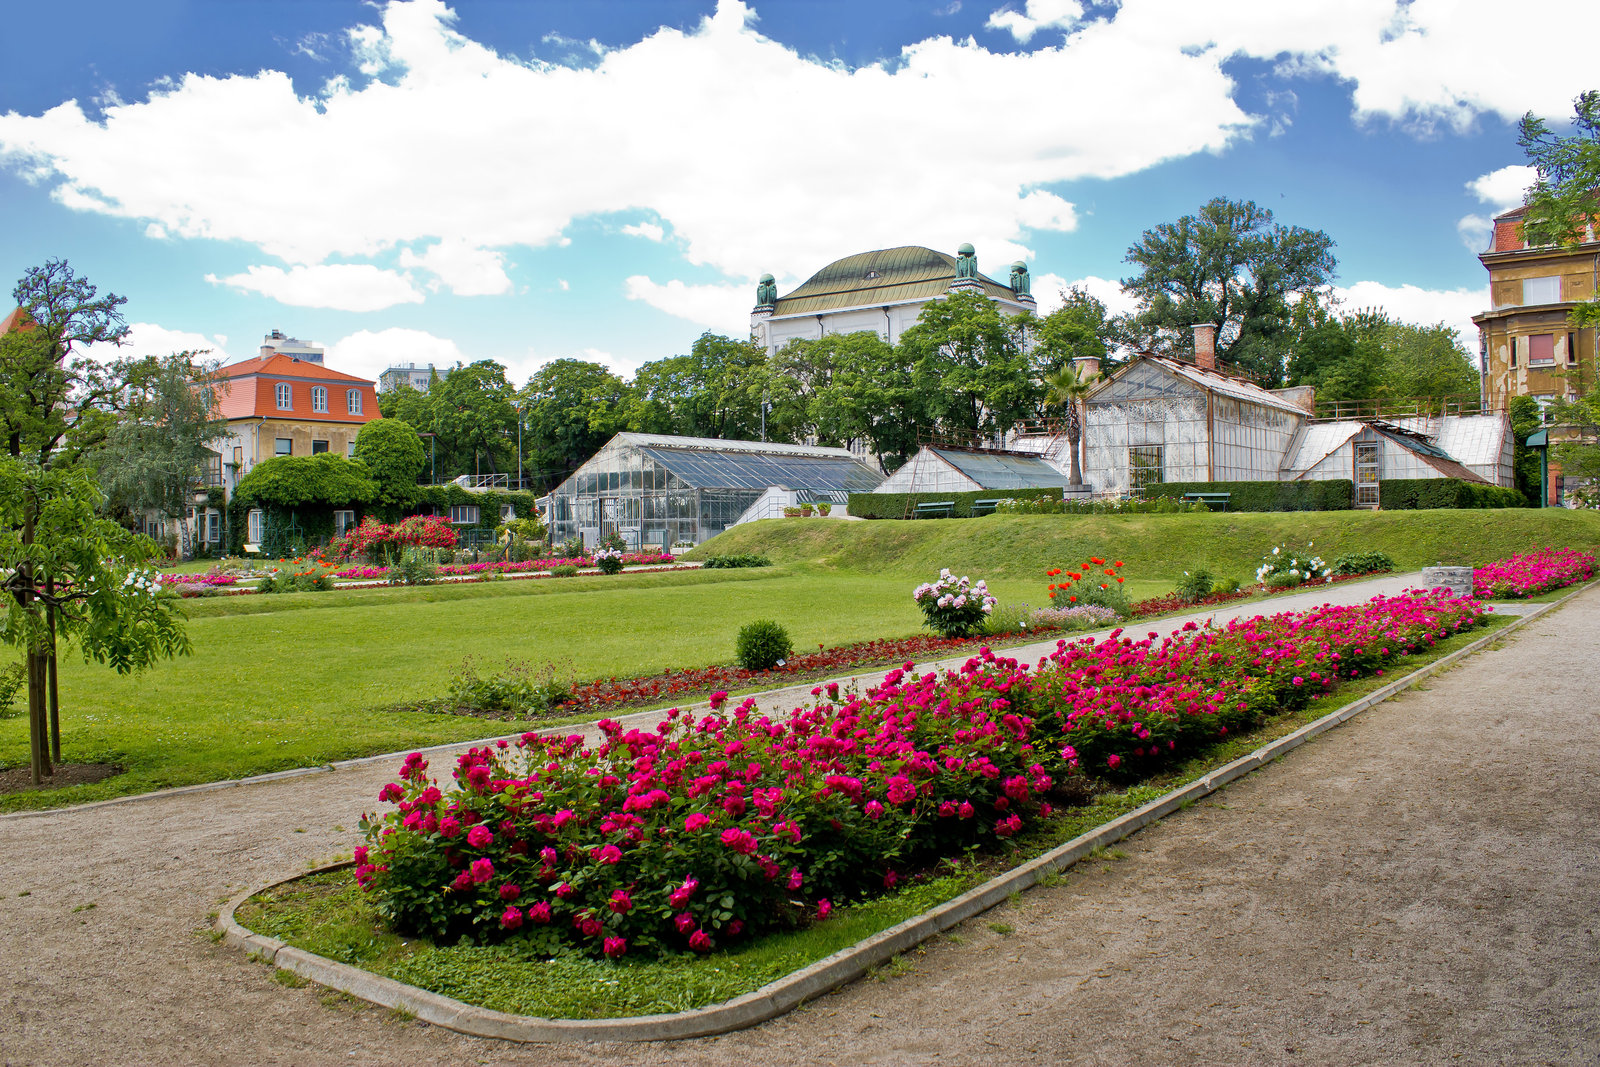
(466, 270)
(648, 230)
(151, 339)
(1502, 189)
(1036, 16)
(631, 128)
(1424, 307)
(1047, 290)
(723, 308)
(563, 284)
(369, 354)
(341, 286)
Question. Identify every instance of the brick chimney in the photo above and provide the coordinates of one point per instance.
(1205, 346)
(1086, 366)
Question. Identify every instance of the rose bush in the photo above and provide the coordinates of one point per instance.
(708, 830)
(1531, 573)
(954, 607)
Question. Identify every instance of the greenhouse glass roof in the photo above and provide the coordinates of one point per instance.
(710, 468)
(995, 471)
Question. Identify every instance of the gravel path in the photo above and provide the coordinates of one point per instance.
(1416, 886)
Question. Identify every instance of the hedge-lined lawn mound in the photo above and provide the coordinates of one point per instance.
(1158, 547)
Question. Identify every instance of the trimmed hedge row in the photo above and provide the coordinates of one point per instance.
(314, 521)
(1408, 494)
(904, 505)
(1335, 495)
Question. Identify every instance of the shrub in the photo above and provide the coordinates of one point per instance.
(412, 568)
(1332, 495)
(1009, 619)
(572, 548)
(953, 607)
(1194, 585)
(1224, 586)
(564, 570)
(11, 681)
(745, 560)
(1282, 569)
(517, 689)
(762, 645)
(613, 541)
(609, 560)
(312, 579)
(1363, 563)
(1405, 494)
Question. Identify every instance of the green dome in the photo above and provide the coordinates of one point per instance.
(965, 250)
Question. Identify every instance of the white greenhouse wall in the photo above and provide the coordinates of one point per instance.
(925, 472)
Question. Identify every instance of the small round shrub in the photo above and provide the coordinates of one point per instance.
(1194, 585)
(564, 570)
(762, 645)
(609, 560)
(954, 607)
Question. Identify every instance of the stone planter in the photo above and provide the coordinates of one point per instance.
(1456, 579)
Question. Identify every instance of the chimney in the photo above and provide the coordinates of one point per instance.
(1205, 346)
(1086, 366)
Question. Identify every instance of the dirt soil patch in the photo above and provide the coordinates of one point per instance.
(20, 779)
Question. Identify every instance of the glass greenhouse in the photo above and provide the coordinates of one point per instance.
(657, 490)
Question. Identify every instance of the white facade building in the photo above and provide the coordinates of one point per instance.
(277, 343)
(882, 292)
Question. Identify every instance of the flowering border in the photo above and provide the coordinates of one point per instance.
(789, 992)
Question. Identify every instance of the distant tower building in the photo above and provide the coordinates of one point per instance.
(277, 344)
(882, 291)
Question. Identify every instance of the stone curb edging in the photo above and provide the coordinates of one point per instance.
(789, 992)
(642, 716)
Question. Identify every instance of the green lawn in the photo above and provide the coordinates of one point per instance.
(296, 680)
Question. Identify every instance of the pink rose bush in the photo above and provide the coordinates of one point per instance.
(703, 831)
(1531, 573)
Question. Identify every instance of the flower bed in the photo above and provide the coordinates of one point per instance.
(706, 831)
(470, 570)
(1166, 605)
(198, 579)
(1531, 573)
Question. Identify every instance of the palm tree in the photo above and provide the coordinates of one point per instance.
(1065, 386)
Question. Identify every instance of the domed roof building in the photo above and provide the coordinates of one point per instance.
(882, 291)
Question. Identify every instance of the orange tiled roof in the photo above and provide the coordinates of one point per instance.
(16, 320)
(249, 389)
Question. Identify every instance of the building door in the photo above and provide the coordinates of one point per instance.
(1366, 474)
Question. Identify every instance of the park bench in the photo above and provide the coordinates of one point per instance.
(1213, 501)
(935, 509)
(983, 507)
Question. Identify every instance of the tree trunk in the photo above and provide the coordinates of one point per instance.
(185, 541)
(38, 726)
(54, 694)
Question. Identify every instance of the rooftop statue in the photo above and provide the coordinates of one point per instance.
(966, 262)
(766, 290)
(1020, 282)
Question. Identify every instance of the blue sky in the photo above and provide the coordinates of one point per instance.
(411, 181)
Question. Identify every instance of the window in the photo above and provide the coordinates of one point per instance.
(350, 450)
(1366, 474)
(1516, 343)
(1144, 466)
(507, 512)
(284, 447)
(1541, 290)
(464, 514)
(319, 398)
(342, 521)
(285, 396)
(1572, 348)
(318, 447)
(1541, 349)
(213, 527)
(352, 401)
(255, 526)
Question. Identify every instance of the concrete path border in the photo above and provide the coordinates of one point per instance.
(789, 992)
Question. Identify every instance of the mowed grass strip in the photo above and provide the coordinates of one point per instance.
(1156, 547)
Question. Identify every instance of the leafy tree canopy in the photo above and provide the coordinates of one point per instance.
(1563, 204)
(1079, 329)
(570, 409)
(294, 481)
(394, 457)
(1232, 266)
(969, 366)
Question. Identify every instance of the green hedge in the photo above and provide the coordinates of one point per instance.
(1335, 495)
(903, 505)
(1409, 494)
(314, 522)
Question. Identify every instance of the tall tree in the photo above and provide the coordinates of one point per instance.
(394, 457)
(970, 366)
(159, 449)
(714, 391)
(1564, 201)
(471, 411)
(1080, 328)
(52, 399)
(1232, 266)
(570, 409)
(1341, 356)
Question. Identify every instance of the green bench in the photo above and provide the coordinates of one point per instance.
(983, 507)
(1213, 501)
(935, 509)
